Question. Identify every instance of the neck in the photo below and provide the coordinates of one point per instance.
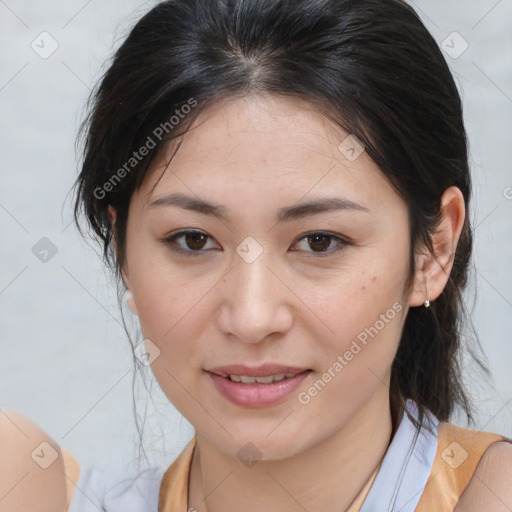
(327, 477)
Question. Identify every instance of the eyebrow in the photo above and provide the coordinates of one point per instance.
(284, 214)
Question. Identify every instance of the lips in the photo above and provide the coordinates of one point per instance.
(275, 382)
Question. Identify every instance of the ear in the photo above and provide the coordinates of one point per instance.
(128, 296)
(433, 269)
(112, 216)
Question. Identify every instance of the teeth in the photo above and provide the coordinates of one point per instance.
(261, 380)
(270, 378)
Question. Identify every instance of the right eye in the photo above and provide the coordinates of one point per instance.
(192, 242)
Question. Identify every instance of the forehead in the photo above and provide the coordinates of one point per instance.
(266, 149)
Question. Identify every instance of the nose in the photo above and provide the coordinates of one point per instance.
(256, 302)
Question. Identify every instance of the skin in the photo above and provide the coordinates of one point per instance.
(290, 306)
(24, 484)
(489, 488)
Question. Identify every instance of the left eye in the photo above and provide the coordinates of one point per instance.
(195, 241)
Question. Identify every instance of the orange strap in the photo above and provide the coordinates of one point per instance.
(72, 472)
(174, 489)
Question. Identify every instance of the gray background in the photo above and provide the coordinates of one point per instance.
(65, 360)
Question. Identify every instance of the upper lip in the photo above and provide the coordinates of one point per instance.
(264, 370)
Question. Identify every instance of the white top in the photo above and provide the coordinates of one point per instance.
(111, 489)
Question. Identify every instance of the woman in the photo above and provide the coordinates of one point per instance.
(281, 188)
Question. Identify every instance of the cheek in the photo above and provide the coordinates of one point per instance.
(165, 294)
(367, 323)
(364, 313)
(169, 310)
(173, 310)
(168, 313)
(356, 302)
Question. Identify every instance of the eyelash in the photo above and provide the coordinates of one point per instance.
(170, 241)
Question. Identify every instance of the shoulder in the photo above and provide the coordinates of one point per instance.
(490, 488)
(31, 466)
(464, 464)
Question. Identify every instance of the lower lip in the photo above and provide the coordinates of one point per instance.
(257, 395)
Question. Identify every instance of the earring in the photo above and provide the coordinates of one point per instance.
(427, 301)
(130, 303)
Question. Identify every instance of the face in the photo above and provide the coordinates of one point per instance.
(319, 289)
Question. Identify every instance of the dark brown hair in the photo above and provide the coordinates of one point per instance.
(369, 65)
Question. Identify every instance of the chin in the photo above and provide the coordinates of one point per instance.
(266, 445)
